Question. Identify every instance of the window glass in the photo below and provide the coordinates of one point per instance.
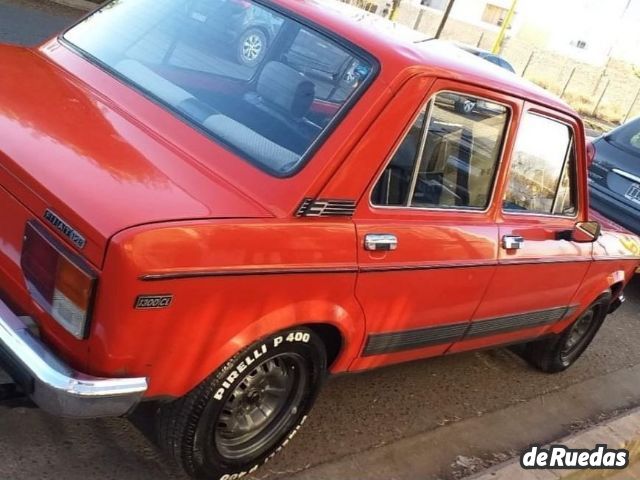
(449, 163)
(541, 171)
(627, 136)
(565, 200)
(258, 81)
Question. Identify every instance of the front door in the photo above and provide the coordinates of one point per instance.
(540, 268)
(426, 236)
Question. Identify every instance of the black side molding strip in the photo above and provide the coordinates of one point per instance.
(410, 339)
(391, 342)
(483, 328)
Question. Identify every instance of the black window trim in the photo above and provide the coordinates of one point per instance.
(313, 148)
(575, 184)
(500, 160)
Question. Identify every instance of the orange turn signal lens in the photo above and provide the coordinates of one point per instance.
(74, 284)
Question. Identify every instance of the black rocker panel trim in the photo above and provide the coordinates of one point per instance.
(483, 328)
(397, 341)
(380, 343)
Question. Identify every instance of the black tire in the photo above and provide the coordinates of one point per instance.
(212, 432)
(557, 353)
(251, 47)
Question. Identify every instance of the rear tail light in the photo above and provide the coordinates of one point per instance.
(58, 280)
(591, 153)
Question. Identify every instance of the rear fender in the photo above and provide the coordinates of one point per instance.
(600, 279)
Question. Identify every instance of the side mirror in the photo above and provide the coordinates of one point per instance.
(586, 232)
(583, 232)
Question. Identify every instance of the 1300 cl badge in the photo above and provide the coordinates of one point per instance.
(153, 301)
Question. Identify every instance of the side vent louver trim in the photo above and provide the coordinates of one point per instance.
(311, 207)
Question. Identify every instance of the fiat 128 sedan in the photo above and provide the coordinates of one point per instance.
(216, 236)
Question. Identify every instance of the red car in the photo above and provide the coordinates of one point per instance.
(216, 238)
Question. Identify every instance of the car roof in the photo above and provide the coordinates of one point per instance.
(399, 48)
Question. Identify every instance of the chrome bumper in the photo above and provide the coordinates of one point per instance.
(53, 385)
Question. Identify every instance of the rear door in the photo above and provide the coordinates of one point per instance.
(539, 269)
(426, 234)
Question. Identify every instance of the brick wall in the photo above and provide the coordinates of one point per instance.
(612, 88)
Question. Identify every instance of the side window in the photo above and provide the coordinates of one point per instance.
(542, 178)
(449, 157)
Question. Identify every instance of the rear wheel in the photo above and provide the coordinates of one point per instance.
(252, 46)
(241, 416)
(557, 353)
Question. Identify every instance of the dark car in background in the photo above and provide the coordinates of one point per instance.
(249, 30)
(467, 105)
(614, 175)
(489, 57)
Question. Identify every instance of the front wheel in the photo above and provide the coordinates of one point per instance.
(241, 416)
(557, 353)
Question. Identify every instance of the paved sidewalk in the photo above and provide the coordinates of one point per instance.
(621, 432)
(631, 473)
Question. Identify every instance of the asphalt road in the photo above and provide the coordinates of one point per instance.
(354, 413)
(30, 22)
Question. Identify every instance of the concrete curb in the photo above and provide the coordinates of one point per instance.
(620, 432)
(78, 4)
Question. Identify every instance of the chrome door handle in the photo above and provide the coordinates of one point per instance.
(380, 242)
(512, 242)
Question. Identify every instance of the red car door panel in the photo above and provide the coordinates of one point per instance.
(419, 298)
(538, 277)
(420, 291)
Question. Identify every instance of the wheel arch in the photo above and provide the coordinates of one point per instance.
(340, 330)
(332, 338)
(597, 282)
(261, 28)
(616, 289)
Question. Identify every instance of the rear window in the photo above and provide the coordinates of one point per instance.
(627, 136)
(260, 82)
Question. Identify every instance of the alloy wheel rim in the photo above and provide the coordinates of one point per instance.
(578, 333)
(252, 47)
(260, 408)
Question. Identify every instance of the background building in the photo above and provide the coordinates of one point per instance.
(591, 31)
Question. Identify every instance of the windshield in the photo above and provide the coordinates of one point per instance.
(259, 82)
